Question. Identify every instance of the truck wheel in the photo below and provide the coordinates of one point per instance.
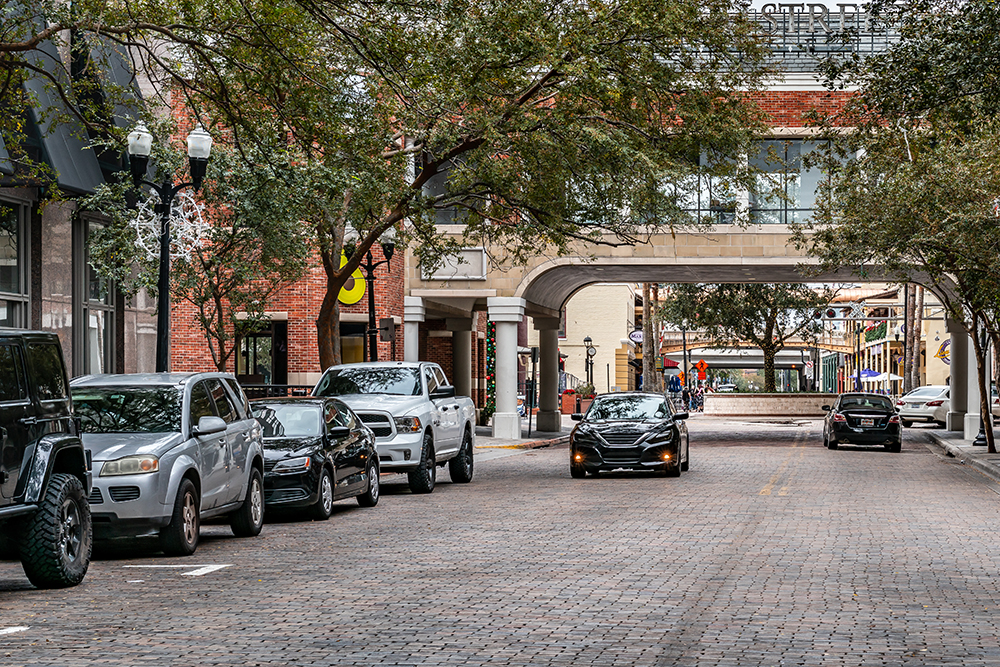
(57, 540)
(249, 518)
(461, 466)
(180, 537)
(422, 479)
(370, 497)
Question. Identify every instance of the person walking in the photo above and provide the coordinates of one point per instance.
(686, 397)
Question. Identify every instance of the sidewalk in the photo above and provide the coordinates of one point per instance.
(975, 457)
(537, 439)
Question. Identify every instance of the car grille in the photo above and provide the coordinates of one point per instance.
(123, 494)
(622, 455)
(95, 497)
(621, 439)
(380, 424)
(284, 495)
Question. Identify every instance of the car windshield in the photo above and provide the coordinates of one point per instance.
(380, 380)
(879, 402)
(128, 409)
(924, 392)
(627, 407)
(289, 421)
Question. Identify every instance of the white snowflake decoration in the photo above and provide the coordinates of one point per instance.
(188, 229)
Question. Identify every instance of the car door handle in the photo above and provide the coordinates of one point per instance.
(28, 421)
(444, 408)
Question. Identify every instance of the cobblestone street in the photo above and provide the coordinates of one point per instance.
(771, 550)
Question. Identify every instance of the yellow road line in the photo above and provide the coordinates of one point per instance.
(771, 483)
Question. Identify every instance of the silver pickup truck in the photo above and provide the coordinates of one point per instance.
(419, 423)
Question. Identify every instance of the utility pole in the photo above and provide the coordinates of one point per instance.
(648, 342)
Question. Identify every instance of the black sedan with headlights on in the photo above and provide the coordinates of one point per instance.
(316, 451)
(632, 431)
(862, 419)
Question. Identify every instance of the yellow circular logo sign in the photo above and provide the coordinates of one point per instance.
(354, 288)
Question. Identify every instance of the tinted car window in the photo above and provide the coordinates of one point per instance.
(223, 404)
(342, 415)
(11, 378)
(201, 403)
(866, 402)
(46, 362)
(128, 409)
(628, 407)
(383, 380)
(282, 420)
(241, 397)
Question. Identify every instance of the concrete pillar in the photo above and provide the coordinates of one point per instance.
(413, 314)
(506, 312)
(972, 410)
(549, 414)
(959, 358)
(461, 354)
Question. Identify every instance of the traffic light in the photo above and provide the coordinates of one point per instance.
(831, 312)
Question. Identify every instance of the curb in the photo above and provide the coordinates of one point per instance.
(530, 444)
(962, 456)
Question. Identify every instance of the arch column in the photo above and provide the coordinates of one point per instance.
(959, 357)
(506, 312)
(461, 354)
(414, 313)
(972, 409)
(549, 414)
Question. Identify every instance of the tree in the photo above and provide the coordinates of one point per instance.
(534, 124)
(766, 316)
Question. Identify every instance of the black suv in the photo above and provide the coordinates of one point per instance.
(44, 471)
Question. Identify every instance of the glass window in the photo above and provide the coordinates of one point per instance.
(223, 404)
(390, 380)
(241, 397)
(286, 420)
(98, 314)
(201, 403)
(342, 415)
(10, 249)
(432, 382)
(11, 376)
(787, 189)
(128, 409)
(628, 407)
(46, 364)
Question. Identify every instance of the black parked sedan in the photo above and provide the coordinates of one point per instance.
(316, 451)
(630, 430)
(862, 419)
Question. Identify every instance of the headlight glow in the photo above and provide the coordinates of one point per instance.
(130, 465)
(299, 464)
(407, 424)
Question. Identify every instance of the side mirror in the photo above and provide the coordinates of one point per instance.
(826, 408)
(680, 416)
(209, 425)
(444, 391)
(338, 432)
(577, 416)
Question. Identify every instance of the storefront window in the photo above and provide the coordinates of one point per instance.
(98, 313)
(13, 260)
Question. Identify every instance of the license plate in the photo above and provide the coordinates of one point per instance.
(915, 405)
(867, 422)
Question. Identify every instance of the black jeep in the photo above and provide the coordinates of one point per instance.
(44, 471)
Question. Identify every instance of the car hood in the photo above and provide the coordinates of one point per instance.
(110, 446)
(279, 448)
(397, 405)
(624, 426)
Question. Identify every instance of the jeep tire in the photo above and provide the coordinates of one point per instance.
(57, 540)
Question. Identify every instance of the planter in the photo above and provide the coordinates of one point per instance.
(585, 403)
(568, 405)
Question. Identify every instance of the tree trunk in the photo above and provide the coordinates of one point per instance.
(983, 377)
(769, 383)
(648, 356)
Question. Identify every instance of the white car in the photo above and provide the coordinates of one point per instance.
(925, 404)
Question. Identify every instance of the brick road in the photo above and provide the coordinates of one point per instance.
(771, 551)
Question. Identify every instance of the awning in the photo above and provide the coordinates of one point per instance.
(64, 138)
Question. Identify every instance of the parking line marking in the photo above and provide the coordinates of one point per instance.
(197, 572)
(12, 630)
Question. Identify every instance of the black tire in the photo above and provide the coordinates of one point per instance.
(687, 462)
(576, 470)
(907, 423)
(57, 540)
(462, 466)
(180, 537)
(831, 444)
(894, 447)
(249, 518)
(423, 478)
(323, 507)
(370, 497)
(672, 471)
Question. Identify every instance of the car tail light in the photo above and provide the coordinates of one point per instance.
(900, 402)
(934, 404)
(839, 418)
(894, 419)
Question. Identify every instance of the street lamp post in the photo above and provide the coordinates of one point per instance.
(140, 143)
(368, 267)
(588, 343)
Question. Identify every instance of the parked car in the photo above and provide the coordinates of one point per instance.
(726, 388)
(316, 451)
(862, 419)
(170, 451)
(44, 473)
(925, 404)
(630, 430)
(418, 422)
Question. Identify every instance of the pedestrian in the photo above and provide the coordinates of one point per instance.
(686, 397)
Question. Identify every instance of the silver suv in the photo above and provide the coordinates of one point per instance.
(170, 450)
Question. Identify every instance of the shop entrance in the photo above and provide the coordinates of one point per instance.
(262, 356)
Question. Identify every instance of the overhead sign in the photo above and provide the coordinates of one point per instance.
(636, 336)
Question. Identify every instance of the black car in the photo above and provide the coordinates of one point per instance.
(862, 419)
(316, 451)
(630, 430)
